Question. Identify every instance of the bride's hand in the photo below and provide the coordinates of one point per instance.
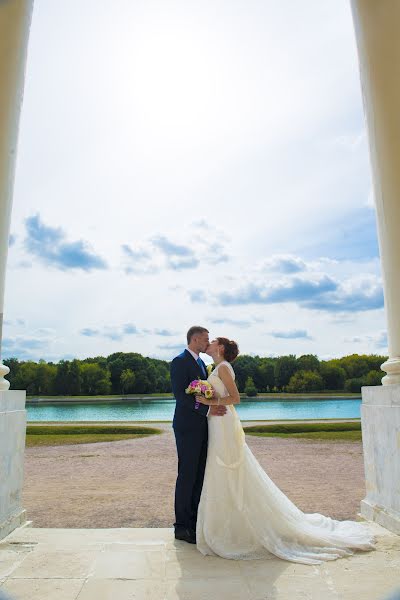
(207, 401)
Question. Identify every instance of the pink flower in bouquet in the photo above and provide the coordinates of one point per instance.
(199, 386)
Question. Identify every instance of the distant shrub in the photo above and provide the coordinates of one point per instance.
(250, 389)
(354, 384)
(374, 378)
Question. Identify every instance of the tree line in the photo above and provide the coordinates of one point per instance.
(307, 373)
(124, 373)
(119, 373)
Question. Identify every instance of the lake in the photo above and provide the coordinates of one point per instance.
(163, 410)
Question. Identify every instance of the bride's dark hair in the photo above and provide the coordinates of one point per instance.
(231, 349)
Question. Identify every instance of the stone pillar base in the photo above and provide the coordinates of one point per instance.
(380, 422)
(12, 523)
(12, 449)
(380, 515)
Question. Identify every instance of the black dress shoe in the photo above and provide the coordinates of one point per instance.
(186, 535)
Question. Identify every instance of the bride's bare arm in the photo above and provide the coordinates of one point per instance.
(233, 398)
(228, 381)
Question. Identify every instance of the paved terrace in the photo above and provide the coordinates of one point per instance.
(148, 564)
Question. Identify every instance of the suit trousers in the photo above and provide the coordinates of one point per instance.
(191, 445)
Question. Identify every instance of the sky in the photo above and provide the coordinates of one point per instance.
(185, 163)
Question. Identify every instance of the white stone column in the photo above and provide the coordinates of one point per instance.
(12, 447)
(377, 26)
(15, 18)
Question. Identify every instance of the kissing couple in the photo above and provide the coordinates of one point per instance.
(224, 501)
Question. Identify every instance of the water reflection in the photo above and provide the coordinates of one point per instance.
(163, 410)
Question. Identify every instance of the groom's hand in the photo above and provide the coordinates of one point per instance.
(217, 411)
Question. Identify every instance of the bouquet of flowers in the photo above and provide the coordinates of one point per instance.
(200, 387)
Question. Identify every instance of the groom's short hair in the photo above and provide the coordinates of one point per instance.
(193, 330)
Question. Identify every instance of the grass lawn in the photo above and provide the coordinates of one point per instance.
(350, 431)
(59, 435)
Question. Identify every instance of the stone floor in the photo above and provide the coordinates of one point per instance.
(148, 564)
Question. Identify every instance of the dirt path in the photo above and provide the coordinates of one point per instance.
(130, 483)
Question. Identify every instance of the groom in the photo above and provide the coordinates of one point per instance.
(191, 433)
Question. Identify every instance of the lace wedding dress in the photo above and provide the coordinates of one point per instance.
(243, 515)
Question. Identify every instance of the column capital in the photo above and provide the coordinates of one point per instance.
(4, 384)
(392, 368)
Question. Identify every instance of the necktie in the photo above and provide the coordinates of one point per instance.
(199, 362)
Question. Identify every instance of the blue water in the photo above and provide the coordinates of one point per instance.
(163, 410)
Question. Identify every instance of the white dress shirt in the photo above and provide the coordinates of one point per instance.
(195, 356)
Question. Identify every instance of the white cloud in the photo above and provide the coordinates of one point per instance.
(183, 252)
(293, 334)
(312, 291)
(374, 342)
(284, 263)
(37, 345)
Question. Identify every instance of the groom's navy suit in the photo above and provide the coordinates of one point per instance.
(191, 435)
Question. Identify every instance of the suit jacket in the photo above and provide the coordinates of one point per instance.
(185, 369)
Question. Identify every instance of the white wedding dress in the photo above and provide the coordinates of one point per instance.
(243, 515)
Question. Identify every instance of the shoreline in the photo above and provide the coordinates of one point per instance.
(35, 401)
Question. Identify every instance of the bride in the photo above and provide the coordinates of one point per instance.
(242, 513)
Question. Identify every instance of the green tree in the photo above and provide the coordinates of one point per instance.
(163, 383)
(355, 365)
(61, 382)
(375, 361)
(333, 376)
(305, 381)
(374, 378)
(264, 378)
(285, 367)
(308, 362)
(74, 378)
(354, 384)
(127, 381)
(116, 366)
(151, 374)
(26, 377)
(245, 366)
(142, 385)
(95, 380)
(250, 389)
(98, 360)
(45, 378)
